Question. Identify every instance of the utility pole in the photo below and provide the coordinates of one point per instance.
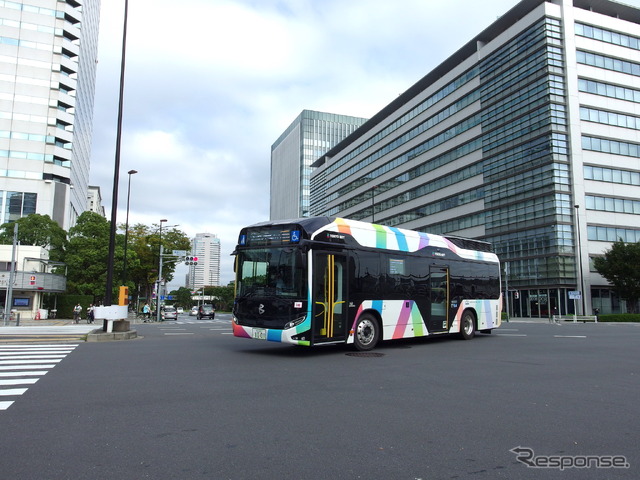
(9, 299)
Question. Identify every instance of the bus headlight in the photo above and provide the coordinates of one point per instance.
(294, 323)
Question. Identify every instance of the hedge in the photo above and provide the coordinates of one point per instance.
(65, 304)
(619, 317)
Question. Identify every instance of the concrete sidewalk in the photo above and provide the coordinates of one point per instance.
(62, 326)
(51, 322)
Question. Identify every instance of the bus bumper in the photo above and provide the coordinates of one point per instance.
(269, 334)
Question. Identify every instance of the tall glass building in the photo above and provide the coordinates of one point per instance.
(527, 137)
(309, 136)
(48, 57)
(206, 273)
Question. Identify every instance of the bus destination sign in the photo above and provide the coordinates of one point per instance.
(262, 237)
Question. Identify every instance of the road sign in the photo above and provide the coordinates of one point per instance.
(575, 294)
(180, 253)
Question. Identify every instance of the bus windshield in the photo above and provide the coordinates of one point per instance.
(271, 272)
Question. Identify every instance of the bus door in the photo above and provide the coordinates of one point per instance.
(329, 297)
(439, 299)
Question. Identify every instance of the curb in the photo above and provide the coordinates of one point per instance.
(99, 335)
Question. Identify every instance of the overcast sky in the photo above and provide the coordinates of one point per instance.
(211, 84)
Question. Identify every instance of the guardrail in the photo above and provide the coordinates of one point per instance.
(575, 318)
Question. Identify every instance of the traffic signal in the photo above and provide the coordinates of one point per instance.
(123, 297)
(191, 260)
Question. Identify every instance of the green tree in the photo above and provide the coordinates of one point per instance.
(87, 256)
(619, 266)
(224, 296)
(38, 230)
(144, 241)
(182, 297)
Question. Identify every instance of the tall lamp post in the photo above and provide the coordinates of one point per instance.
(159, 274)
(126, 229)
(116, 173)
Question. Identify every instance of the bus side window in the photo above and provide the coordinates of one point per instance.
(367, 272)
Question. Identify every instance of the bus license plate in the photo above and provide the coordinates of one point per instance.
(260, 333)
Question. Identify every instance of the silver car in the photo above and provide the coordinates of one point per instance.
(169, 313)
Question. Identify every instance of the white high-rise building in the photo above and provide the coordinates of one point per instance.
(206, 273)
(48, 57)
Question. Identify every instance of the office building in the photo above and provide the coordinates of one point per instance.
(206, 272)
(94, 200)
(309, 136)
(48, 57)
(526, 137)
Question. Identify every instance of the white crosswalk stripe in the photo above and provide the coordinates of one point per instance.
(195, 322)
(22, 366)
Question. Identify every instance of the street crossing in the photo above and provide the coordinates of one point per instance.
(23, 365)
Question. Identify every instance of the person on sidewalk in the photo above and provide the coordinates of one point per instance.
(90, 313)
(77, 311)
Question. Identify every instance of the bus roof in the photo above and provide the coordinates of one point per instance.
(391, 238)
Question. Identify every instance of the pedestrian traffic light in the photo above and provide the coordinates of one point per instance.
(191, 260)
(123, 297)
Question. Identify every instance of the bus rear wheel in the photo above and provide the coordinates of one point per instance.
(367, 332)
(468, 326)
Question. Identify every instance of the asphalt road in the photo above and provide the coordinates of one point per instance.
(188, 400)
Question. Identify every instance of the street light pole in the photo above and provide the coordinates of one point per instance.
(116, 173)
(159, 274)
(126, 229)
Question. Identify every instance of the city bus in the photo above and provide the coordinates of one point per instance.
(323, 281)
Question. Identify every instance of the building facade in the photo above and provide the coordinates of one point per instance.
(48, 58)
(527, 137)
(309, 136)
(94, 200)
(33, 278)
(206, 271)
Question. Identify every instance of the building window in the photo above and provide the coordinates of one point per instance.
(612, 234)
(611, 146)
(608, 63)
(15, 205)
(611, 204)
(608, 90)
(607, 36)
(611, 175)
(609, 118)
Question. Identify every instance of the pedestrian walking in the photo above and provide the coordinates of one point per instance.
(77, 312)
(90, 313)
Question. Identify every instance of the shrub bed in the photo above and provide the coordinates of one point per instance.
(619, 317)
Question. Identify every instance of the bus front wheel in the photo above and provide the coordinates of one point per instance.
(468, 326)
(367, 332)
